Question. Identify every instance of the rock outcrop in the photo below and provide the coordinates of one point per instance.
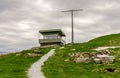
(81, 57)
(100, 57)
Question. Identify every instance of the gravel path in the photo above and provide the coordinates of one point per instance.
(103, 48)
(35, 69)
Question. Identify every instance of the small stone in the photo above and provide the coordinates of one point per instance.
(66, 60)
(93, 55)
(78, 54)
(101, 56)
(72, 54)
(104, 52)
(79, 59)
(97, 61)
(62, 47)
(110, 59)
(106, 59)
(33, 54)
(87, 60)
(18, 54)
(86, 55)
(82, 57)
(72, 49)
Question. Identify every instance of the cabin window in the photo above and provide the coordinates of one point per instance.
(51, 36)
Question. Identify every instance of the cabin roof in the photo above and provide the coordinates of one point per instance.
(52, 31)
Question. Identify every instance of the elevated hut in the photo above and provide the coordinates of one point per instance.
(51, 37)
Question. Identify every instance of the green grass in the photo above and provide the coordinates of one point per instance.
(12, 66)
(56, 67)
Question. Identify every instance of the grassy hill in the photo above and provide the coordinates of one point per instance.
(56, 67)
(109, 40)
(15, 65)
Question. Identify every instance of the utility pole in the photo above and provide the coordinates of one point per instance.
(72, 24)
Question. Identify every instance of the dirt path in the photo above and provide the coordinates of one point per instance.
(35, 69)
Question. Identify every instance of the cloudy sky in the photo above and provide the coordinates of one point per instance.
(20, 20)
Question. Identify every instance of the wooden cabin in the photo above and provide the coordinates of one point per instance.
(51, 38)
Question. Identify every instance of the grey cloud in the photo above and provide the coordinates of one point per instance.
(10, 4)
(22, 19)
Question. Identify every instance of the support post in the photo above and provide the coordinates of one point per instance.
(72, 23)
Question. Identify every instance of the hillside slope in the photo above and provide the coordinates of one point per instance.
(15, 65)
(56, 67)
(108, 40)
